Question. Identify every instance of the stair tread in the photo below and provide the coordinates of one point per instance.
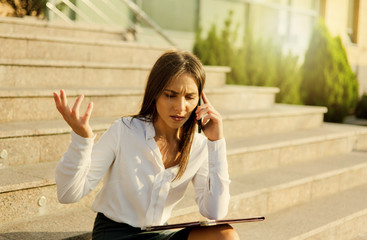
(62, 25)
(38, 92)
(41, 127)
(69, 224)
(71, 64)
(41, 174)
(83, 41)
(274, 110)
(27, 176)
(95, 64)
(309, 218)
(301, 220)
(294, 173)
(47, 127)
(287, 176)
(325, 132)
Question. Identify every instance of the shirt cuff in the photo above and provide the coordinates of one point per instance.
(81, 141)
(215, 145)
(217, 152)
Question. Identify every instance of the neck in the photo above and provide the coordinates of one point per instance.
(168, 134)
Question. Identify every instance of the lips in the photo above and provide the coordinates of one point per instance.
(177, 118)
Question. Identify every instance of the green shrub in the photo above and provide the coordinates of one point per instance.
(327, 79)
(256, 62)
(27, 7)
(218, 49)
(288, 79)
(361, 108)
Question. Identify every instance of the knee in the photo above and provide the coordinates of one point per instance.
(227, 232)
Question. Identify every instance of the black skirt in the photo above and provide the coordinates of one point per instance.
(107, 229)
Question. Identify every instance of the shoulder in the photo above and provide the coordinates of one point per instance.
(132, 126)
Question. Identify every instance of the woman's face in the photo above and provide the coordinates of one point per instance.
(178, 100)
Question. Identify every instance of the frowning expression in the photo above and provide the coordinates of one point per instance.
(178, 100)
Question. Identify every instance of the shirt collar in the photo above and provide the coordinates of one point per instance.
(149, 130)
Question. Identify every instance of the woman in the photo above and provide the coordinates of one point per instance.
(147, 160)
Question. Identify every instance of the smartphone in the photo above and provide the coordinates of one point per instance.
(199, 121)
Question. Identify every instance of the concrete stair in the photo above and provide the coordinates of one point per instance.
(308, 178)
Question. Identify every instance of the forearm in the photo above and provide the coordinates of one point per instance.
(71, 172)
(214, 199)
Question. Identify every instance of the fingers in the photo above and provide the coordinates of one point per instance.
(205, 109)
(205, 99)
(57, 102)
(64, 100)
(61, 102)
(76, 107)
(88, 112)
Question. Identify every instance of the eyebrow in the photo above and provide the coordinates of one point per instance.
(174, 92)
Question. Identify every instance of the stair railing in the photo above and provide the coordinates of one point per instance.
(142, 16)
(135, 9)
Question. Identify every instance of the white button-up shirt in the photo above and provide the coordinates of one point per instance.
(137, 189)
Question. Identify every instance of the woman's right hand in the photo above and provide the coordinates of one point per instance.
(79, 124)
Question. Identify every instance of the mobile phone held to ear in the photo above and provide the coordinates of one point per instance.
(199, 121)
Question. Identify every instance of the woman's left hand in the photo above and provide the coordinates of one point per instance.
(212, 124)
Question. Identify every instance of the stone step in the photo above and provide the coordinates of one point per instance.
(278, 118)
(270, 191)
(38, 104)
(28, 191)
(19, 73)
(251, 154)
(20, 46)
(361, 236)
(68, 225)
(39, 141)
(342, 216)
(47, 140)
(12, 25)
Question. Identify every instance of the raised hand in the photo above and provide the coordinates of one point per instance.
(79, 124)
(212, 124)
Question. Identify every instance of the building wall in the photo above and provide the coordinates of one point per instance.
(336, 18)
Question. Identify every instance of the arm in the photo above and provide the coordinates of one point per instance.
(84, 164)
(211, 182)
(80, 170)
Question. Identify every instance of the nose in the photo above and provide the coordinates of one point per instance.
(180, 104)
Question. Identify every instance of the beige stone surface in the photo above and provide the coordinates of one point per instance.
(60, 48)
(269, 121)
(44, 28)
(30, 108)
(325, 218)
(38, 104)
(269, 191)
(36, 201)
(35, 149)
(13, 48)
(77, 223)
(270, 151)
(76, 74)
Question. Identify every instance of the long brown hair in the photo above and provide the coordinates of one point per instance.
(169, 66)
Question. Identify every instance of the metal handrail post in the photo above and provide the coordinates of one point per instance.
(145, 18)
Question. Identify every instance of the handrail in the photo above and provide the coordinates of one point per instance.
(76, 10)
(145, 18)
(54, 9)
(137, 11)
(99, 12)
